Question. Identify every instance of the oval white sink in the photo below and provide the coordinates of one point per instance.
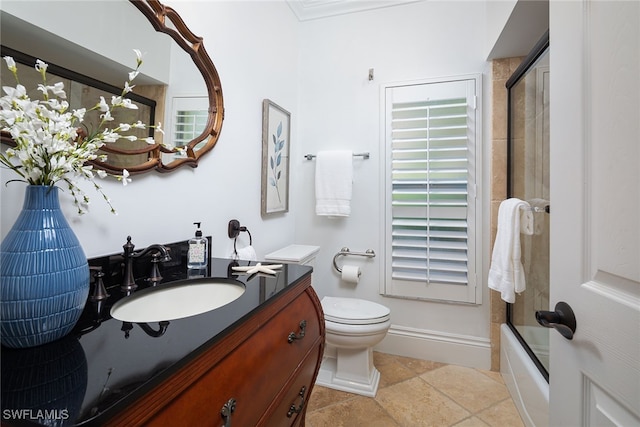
(177, 300)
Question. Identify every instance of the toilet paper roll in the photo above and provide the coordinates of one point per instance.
(351, 273)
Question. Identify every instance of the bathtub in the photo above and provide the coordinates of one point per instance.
(528, 388)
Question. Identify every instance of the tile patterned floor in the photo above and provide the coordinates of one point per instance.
(415, 393)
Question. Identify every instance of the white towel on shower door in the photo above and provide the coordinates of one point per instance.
(506, 274)
(334, 178)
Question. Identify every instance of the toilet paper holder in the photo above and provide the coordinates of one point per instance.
(369, 253)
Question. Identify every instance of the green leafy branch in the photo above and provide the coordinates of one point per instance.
(275, 160)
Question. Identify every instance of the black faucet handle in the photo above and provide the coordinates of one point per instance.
(128, 247)
(154, 276)
(99, 291)
(128, 283)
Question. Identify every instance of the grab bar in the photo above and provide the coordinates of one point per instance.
(369, 253)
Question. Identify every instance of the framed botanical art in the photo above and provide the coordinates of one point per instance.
(276, 142)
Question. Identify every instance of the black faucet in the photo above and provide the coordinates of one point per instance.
(162, 255)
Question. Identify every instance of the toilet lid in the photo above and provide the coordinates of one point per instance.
(297, 254)
(353, 311)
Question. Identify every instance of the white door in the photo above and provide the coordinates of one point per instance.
(595, 211)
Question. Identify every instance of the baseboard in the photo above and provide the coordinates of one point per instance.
(463, 350)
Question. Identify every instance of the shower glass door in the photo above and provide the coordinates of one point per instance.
(528, 180)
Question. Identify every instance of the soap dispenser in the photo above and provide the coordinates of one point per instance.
(197, 256)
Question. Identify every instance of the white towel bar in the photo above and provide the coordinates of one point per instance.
(363, 155)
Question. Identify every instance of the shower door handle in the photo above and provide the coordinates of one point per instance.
(562, 319)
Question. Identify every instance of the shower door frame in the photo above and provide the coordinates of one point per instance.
(538, 50)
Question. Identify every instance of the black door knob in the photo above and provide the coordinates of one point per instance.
(562, 319)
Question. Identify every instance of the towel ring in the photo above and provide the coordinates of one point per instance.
(369, 253)
(234, 230)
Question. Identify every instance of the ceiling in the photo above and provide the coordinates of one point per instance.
(527, 22)
(307, 10)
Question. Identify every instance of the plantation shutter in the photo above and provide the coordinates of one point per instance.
(189, 119)
(431, 146)
(188, 125)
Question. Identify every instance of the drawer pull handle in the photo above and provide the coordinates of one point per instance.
(226, 411)
(292, 335)
(292, 408)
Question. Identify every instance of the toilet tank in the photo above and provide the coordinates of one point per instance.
(295, 254)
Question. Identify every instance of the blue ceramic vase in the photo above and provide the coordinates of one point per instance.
(44, 274)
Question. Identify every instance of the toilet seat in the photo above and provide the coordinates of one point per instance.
(354, 311)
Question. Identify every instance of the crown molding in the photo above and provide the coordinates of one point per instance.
(307, 10)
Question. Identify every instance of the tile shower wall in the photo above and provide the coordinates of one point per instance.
(502, 69)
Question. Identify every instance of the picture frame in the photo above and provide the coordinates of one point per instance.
(276, 144)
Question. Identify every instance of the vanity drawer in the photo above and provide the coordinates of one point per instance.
(288, 336)
(290, 409)
(253, 374)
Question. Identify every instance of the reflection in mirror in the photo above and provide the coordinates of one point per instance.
(177, 75)
(83, 91)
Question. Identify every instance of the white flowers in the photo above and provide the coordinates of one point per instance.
(125, 177)
(11, 64)
(41, 66)
(48, 145)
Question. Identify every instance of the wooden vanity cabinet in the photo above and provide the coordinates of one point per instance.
(260, 374)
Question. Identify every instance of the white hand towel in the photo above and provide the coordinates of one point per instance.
(334, 178)
(506, 274)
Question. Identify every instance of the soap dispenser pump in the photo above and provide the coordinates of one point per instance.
(197, 255)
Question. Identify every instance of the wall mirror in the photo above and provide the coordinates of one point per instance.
(178, 77)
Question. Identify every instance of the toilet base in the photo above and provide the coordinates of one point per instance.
(364, 384)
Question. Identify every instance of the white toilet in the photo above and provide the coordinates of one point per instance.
(353, 327)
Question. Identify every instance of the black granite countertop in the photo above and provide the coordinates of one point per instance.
(105, 364)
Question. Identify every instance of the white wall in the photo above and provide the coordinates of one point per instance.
(339, 107)
(514, 26)
(498, 13)
(50, 37)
